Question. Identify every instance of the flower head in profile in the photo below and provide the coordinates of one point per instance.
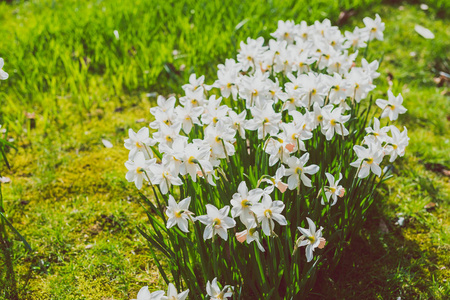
(396, 145)
(172, 294)
(333, 189)
(216, 221)
(276, 181)
(214, 291)
(391, 107)
(250, 234)
(179, 214)
(144, 294)
(310, 238)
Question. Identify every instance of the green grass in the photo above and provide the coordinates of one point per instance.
(68, 194)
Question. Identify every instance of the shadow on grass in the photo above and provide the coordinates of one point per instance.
(384, 261)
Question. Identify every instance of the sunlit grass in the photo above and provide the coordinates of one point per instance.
(68, 191)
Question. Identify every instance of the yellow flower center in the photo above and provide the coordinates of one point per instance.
(139, 144)
(191, 160)
(313, 92)
(298, 170)
(215, 120)
(312, 239)
(369, 160)
(217, 221)
(268, 213)
(246, 203)
(333, 122)
(229, 85)
(140, 170)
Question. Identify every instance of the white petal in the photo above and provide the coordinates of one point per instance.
(424, 32)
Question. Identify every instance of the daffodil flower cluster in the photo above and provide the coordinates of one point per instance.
(274, 125)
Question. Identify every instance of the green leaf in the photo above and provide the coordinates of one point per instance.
(16, 232)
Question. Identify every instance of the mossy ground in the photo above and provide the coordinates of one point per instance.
(68, 194)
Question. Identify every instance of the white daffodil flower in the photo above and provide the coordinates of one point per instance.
(356, 39)
(377, 132)
(333, 189)
(179, 214)
(139, 169)
(251, 53)
(165, 176)
(238, 122)
(391, 107)
(334, 122)
(375, 27)
(172, 294)
(265, 120)
(369, 159)
(144, 294)
(220, 138)
(195, 98)
(242, 202)
(267, 211)
(216, 221)
(297, 171)
(310, 238)
(360, 84)
(192, 158)
(396, 145)
(195, 83)
(139, 142)
(214, 111)
(188, 116)
(213, 290)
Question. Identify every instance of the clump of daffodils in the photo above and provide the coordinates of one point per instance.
(279, 139)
